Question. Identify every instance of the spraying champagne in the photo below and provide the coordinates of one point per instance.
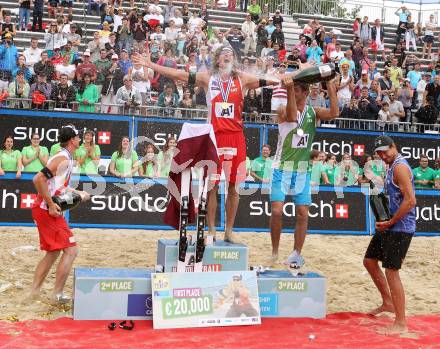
(323, 72)
(380, 205)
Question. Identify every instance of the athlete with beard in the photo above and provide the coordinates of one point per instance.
(225, 87)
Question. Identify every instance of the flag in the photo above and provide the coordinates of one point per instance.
(196, 147)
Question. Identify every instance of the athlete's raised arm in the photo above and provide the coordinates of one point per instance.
(197, 79)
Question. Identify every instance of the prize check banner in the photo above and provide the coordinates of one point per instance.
(229, 298)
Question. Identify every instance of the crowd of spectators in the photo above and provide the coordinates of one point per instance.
(103, 78)
(148, 161)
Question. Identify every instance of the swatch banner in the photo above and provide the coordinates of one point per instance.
(357, 143)
(131, 203)
(345, 212)
(116, 205)
(157, 132)
(108, 132)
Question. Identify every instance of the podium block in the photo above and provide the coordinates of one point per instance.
(112, 294)
(222, 256)
(284, 295)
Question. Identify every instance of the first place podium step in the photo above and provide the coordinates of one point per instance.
(222, 256)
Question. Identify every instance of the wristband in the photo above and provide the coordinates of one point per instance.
(47, 173)
(262, 82)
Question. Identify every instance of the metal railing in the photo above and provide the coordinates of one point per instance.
(385, 10)
(152, 110)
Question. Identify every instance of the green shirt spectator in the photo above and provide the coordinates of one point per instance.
(261, 169)
(424, 177)
(34, 158)
(124, 162)
(437, 179)
(164, 160)
(124, 165)
(254, 10)
(347, 172)
(55, 149)
(87, 157)
(316, 176)
(87, 95)
(10, 159)
(148, 168)
(330, 172)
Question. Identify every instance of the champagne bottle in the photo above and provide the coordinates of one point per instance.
(67, 201)
(323, 72)
(379, 205)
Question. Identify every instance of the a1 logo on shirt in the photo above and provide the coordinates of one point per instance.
(300, 141)
(224, 110)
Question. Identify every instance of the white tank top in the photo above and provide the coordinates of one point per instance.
(60, 181)
(141, 86)
(345, 92)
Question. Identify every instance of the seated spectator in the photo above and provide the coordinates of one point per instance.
(252, 102)
(187, 102)
(314, 53)
(86, 67)
(261, 168)
(165, 157)
(23, 67)
(347, 172)
(375, 92)
(32, 54)
(428, 113)
(330, 167)
(34, 156)
(87, 156)
(87, 94)
(63, 94)
(351, 111)
(424, 175)
(67, 51)
(318, 174)
(105, 32)
(10, 159)
(128, 96)
(169, 100)
(44, 66)
(57, 58)
(124, 162)
(40, 91)
(19, 89)
(384, 115)
(277, 54)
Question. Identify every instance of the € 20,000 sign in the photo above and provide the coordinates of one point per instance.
(226, 298)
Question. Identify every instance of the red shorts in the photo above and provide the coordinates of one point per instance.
(55, 234)
(232, 154)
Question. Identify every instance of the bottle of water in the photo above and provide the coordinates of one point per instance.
(67, 201)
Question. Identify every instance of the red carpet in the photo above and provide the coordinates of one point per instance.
(342, 330)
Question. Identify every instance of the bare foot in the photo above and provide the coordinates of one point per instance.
(389, 308)
(31, 297)
(231, 237)
(273, 260)
(396, 328)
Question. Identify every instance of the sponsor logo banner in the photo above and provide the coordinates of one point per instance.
(140, 305)
(108, 132)
(16, 200)
(328, 211)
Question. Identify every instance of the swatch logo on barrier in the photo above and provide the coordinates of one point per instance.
(358, 149)
(104, 137)
(27, 200)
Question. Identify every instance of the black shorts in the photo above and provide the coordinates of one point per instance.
(429, 39)
(67, 3)
(389, 247)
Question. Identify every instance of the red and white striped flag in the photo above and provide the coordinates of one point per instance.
(196, 147)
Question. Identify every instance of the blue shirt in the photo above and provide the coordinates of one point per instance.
(125, 65)
(8, 57)
(414, 78)
(407, 224)
(314, 53)
(403, 16)
(270, 29)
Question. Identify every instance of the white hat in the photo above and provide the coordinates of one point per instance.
(115, 56)
(86, 53)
